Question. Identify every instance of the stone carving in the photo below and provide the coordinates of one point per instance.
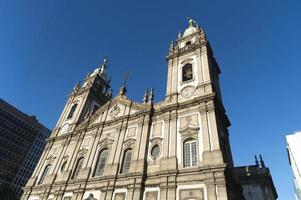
(114, 111)
(186, 61)
(105, 143)
(189, 132)
(129, 143)
(82, 153)
(91, 197)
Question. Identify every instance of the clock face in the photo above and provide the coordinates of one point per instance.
(187, 91)
(65, 128)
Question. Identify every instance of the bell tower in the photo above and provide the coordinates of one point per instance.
(85, 99)
(193, 79)
(192, 69)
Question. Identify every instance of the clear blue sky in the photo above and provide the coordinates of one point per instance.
(46, 47)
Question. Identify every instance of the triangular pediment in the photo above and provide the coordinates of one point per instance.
(114, 109)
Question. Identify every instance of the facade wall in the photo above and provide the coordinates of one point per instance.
(177, 149)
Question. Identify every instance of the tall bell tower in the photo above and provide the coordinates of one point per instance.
(85, 99)
(193, 78)
(192, 69)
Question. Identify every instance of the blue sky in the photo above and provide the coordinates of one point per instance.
(48, 46)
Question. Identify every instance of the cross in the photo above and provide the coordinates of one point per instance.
(126, 77)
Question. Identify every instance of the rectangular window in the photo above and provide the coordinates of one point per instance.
(120, 196)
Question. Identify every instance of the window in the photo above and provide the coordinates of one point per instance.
(44, 174)
(126, 161)
(73, 108)
(188, 43)
(187, 72)
(155, 152)
(190, 155)
(78, 166)
(101, 162)
(63, 166)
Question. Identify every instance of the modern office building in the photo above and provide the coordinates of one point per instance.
(105, 147)
(294, 155)
(22, 141)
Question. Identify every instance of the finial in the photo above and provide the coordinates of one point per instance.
(89, 74)
(123, 90)
(261, 162)
(76, 87)
(105, 61)
(145, 98)
(104, 65)
(151, 96)
(171, 45)
(192, 22)
(256, 161)
(179, 34)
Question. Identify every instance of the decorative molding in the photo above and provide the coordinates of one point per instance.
(106, 143)
(129, 143)
(189, 132)
(186, 61)
(82, 152)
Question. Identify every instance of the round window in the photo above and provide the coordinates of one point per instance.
(155, 152)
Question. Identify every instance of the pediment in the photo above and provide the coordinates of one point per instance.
(114, 109)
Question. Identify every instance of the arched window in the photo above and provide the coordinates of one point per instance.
(187, 72)
(73, 108)
(63, 166)
(126, 161)
(188, 43)
(44, 174)
(78, 166)
(101, 162)
(190, 153)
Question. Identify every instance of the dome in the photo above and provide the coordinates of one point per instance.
(193, 27)
(190, 30)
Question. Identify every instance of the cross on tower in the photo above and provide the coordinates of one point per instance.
(126, 77)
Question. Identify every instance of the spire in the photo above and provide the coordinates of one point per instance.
(145, 98)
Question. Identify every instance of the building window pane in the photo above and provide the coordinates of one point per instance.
(70, 115)
(78, 167)
(101, 162)
(187, 72)
(44, 174)
(190, 153)
(126, 161)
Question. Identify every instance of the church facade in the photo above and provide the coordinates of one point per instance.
(109, 148)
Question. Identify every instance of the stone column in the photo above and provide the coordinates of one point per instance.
(169, 77)
(166, 126)
(204, 125)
